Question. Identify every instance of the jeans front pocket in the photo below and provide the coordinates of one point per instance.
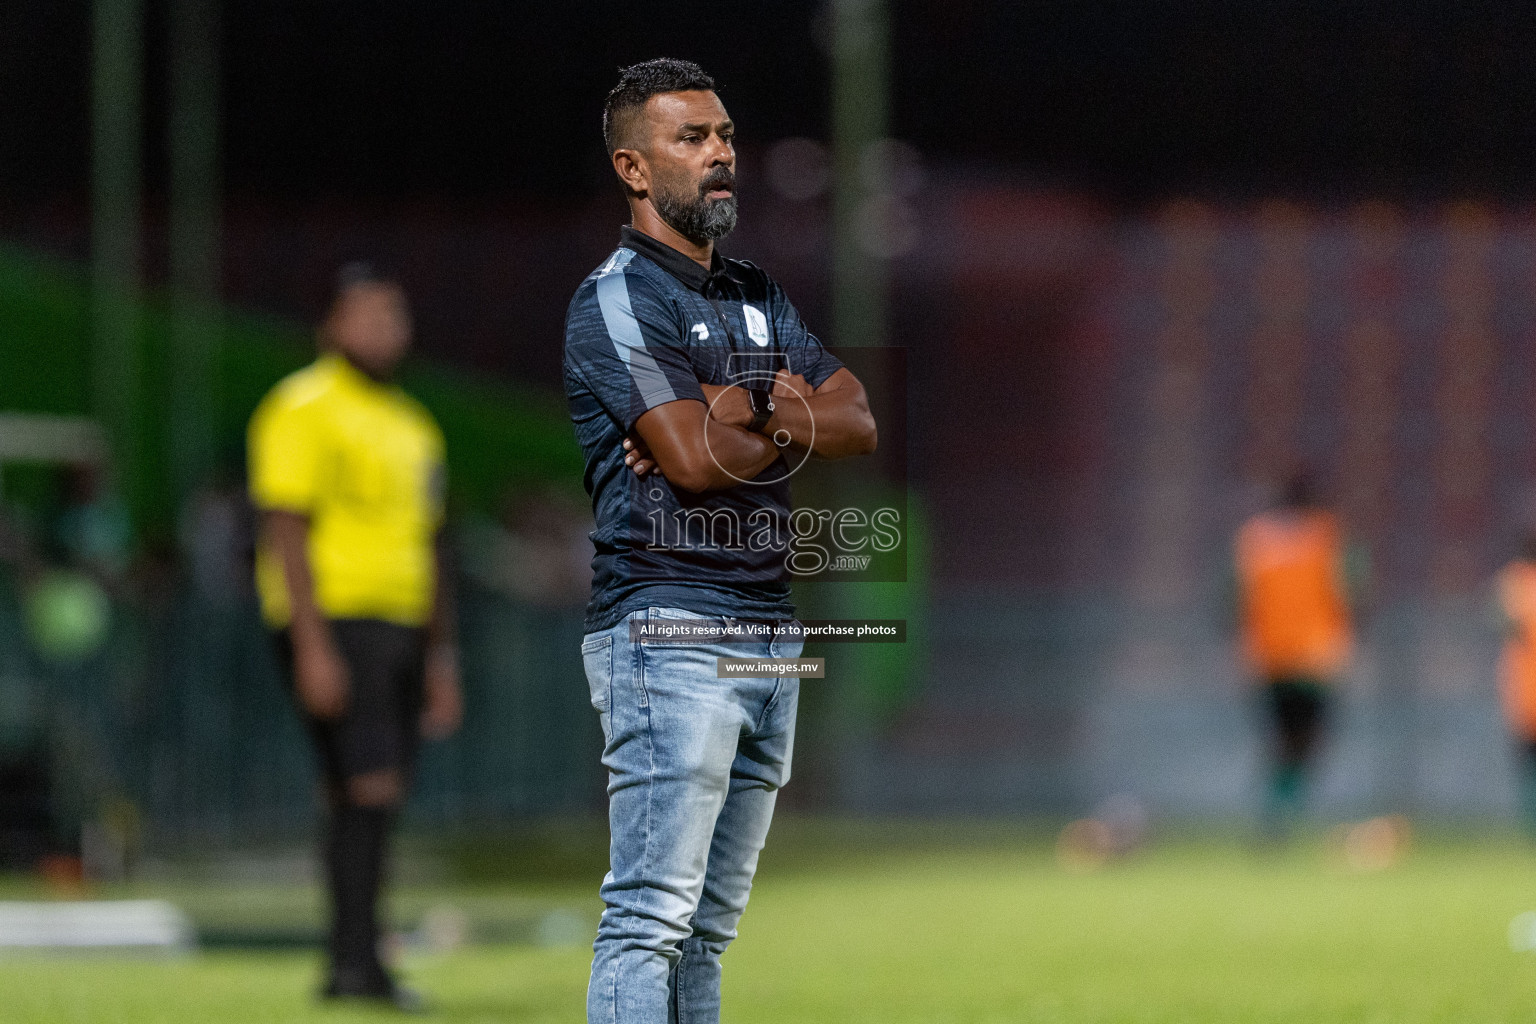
(597, 659)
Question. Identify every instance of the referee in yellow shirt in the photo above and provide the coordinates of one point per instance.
(347, 471)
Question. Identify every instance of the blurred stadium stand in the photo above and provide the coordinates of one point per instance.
(1107, 399)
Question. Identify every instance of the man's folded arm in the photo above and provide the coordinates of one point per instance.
(833, 421)
(675, 435)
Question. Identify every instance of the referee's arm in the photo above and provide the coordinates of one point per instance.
(443, 708)
(320, 674)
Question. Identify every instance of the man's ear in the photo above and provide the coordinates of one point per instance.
(632, 170)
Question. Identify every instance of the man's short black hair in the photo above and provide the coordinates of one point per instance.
(357, 273)
(638, 83)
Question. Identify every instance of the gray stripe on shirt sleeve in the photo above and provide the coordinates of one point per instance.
(624, 330)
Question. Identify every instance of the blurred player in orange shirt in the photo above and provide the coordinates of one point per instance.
(1517, 668)
(1295, 575)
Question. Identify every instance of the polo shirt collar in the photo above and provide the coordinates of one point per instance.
(679, 265)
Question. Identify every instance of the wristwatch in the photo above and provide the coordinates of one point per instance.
(762, 408)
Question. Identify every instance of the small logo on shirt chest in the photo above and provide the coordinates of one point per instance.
(701, 332)
(757, 324)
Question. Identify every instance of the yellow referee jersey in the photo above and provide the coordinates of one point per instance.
(364, 461)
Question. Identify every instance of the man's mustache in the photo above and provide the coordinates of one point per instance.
(720, 178)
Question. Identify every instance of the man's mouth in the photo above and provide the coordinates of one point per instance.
(720, 188)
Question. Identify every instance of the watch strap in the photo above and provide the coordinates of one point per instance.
(762, 408)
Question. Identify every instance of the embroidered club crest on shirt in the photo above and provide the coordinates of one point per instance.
(757, 324)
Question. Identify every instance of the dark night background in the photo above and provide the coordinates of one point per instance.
(456, 97)
(356, 125)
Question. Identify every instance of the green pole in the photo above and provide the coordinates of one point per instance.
(117, 78)
(195, 239)
(860, 119)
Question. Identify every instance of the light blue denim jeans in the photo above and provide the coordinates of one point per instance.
(694, 766)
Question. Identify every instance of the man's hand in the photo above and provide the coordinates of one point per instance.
(832, 420)
(639, 458)
(442, 710)
(786, 384)
(321, 677)
(729, 404)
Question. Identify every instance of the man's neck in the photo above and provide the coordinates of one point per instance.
(644, 219)
(385, 379)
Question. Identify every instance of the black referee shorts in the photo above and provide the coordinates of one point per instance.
(380, 729)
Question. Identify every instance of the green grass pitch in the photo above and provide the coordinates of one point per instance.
(878, 930)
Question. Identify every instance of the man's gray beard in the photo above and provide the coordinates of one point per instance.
(699, 219)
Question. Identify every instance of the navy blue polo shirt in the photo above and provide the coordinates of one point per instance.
(645, 328)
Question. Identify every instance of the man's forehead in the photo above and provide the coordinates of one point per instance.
(695, 106)
(373, 292)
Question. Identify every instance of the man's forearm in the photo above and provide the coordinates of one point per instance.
(288, 533)
(735, 455)
(442, 627)
(833, 424)
(833, 421)
(697, 453)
